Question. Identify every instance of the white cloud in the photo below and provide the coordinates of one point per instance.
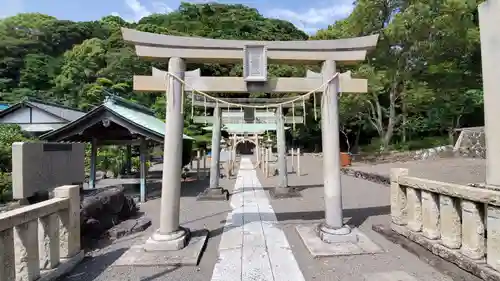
(160, 7)
(139, 10)
(11, 8)
(315, 17)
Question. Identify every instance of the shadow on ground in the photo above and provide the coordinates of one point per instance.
(357, 217)
(160, 274)
(98, 264)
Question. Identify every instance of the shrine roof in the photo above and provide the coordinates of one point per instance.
(134, 118)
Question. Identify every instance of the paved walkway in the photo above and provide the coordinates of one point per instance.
(253, 238)
(252, 246)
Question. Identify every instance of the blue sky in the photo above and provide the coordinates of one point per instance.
(307, 15)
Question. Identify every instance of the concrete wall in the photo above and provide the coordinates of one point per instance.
(38, 166)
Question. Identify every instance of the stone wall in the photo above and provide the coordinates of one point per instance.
(471, 143)
(402, 156)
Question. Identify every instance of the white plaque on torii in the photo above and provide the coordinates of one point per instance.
(255, 63)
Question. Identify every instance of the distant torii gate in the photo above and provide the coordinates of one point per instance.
(255, 55)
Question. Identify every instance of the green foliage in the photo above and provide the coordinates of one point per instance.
(424, 76)
(8, 135)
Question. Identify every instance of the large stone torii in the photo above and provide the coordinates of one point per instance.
(255, 55)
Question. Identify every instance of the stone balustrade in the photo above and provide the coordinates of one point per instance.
(41, 241)
(457, 222)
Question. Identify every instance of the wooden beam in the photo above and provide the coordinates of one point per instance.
(239, 120)
(254, 101)
(118, 142)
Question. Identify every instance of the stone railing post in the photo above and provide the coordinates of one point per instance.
(414, 205)
(398, 197)
(48, 244)
(26, 251)
(493, 244)
(7, 255)
(473, 241)
(430, 215)
(451, 222)
(69, 220)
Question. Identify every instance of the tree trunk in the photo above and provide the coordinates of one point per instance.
(389, 132)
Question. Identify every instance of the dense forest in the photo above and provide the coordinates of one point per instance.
(424, 76)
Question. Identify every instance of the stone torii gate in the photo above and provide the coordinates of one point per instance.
(248, 118)
(255, 55)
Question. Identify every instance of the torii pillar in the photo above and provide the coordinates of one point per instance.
(489, 20)
(214, 192)
(170, 235)
(282, 190)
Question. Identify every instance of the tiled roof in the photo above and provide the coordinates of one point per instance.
(137, 114)
(63, 112)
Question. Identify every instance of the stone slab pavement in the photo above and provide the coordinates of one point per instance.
(456, 170)
(253, 238)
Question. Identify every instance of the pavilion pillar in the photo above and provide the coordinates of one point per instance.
(143, 168)
(170, 236)
(333, 228)
(93, 162)
(214, 192)
(128, 163)
(489, 18)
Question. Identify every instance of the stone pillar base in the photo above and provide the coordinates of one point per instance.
(168, 242)
(284, 192)
(330, 235)
(214, 194)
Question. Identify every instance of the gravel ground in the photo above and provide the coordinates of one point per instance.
(365, 204)
(455, 170)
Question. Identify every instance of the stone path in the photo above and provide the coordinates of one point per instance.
(252, 246)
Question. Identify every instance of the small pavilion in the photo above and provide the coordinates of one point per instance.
(235, 124)
(117, 122)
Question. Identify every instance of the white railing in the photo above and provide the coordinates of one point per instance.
(36, 240)
(462, 219)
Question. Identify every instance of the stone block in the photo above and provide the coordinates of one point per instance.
(129, 227)
(189, 255)
(318, 248)
(40, 167)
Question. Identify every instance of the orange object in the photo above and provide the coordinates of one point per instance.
(345, 159)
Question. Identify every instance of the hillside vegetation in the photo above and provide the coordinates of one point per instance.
(424, 77)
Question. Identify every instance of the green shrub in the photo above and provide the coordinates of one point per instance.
(8, 135)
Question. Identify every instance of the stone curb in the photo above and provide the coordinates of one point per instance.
(384, 180)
